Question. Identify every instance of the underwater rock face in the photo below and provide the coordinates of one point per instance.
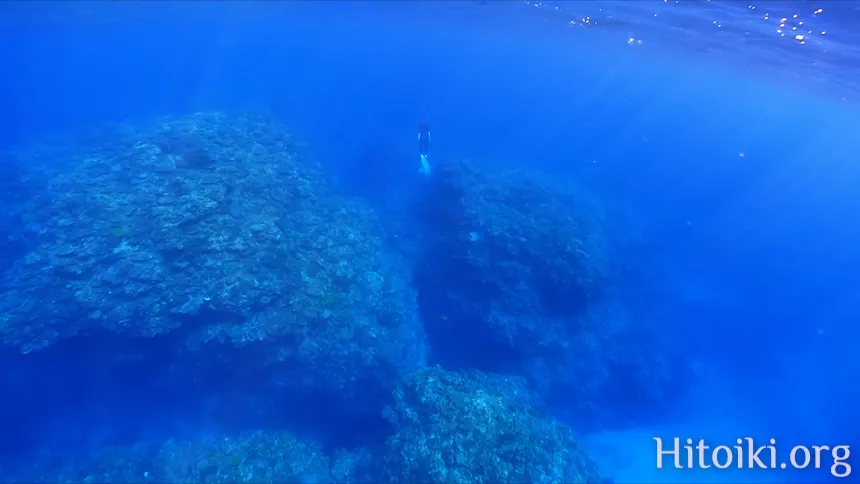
(213, 230)
(474, 427)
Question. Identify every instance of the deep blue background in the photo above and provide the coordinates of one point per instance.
(752, 260)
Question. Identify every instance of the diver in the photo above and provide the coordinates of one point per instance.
(424, 146)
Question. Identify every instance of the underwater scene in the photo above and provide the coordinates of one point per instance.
(429, 242)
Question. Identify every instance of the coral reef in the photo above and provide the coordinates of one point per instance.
(211, 259)
(515, 274)
(523, 257)
(258, 457)
(447, 427)
(454, 427)
(214, 230)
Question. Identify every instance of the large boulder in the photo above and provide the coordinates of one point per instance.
(212, 232)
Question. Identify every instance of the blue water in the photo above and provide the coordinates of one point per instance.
(703, 153)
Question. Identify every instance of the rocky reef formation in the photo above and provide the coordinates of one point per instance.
(259, 457)
(475, 427)
(213, 231)
(446, 427)
(516, 274)
(209, 262)
(514, 246)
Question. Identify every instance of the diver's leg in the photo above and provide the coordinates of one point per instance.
(425, 165)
